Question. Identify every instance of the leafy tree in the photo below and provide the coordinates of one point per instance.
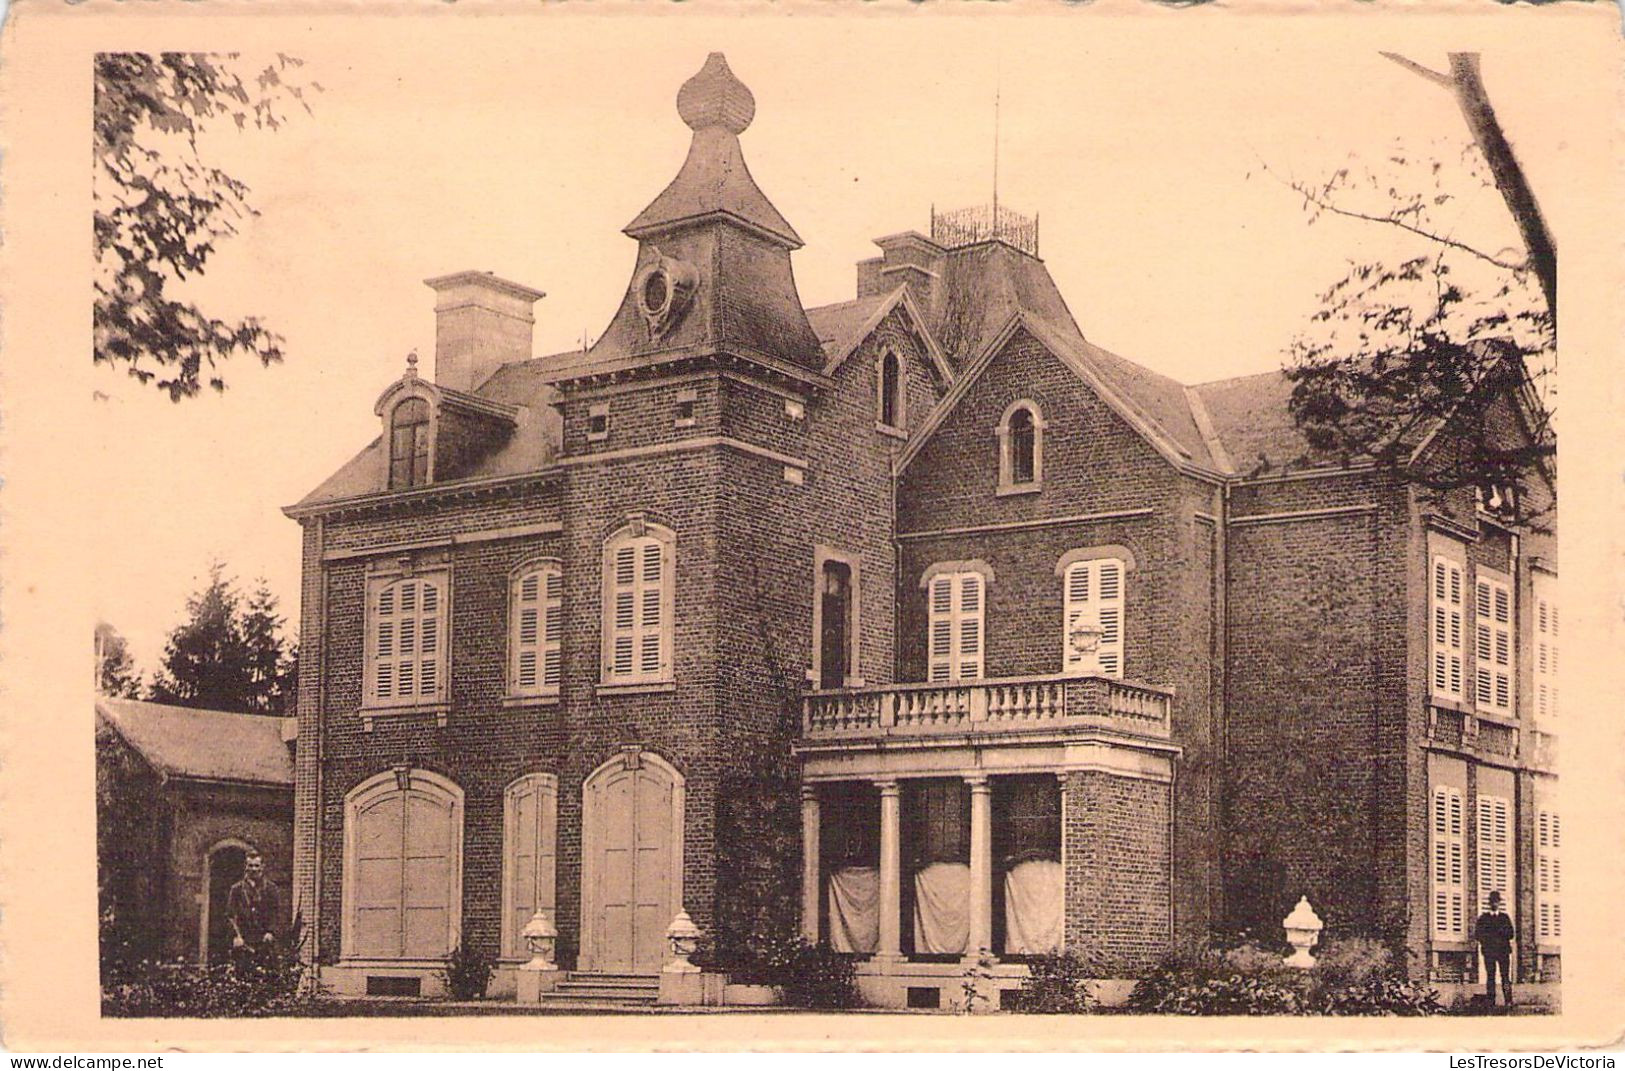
(1449, 331)
(160, 208)
(227, 655)
(115, 669)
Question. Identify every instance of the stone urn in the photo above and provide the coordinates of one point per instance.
(1303, 928)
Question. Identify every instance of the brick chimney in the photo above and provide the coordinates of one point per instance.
(480, 323)
(910, 258)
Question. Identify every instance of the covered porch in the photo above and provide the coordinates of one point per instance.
(1003, 817)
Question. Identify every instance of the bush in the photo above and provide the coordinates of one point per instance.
(816, 976)
(467, 973)
(1352, 976)
(1056, 984)
(150, 988)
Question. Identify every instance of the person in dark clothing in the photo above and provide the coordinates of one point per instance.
(254, 912)
(1495, 935)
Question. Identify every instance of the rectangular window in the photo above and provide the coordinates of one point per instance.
(1545, 649)
(1449, 852)
(686, 401)
(1093, 640)
(598, 421)
(955, 624)
(1548, 877)
(535, 626)
(406, 641)
(1493, 650)
(1494, 843)
(1445, 628)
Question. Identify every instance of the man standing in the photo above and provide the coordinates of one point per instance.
(254, 914)
(1495, 935)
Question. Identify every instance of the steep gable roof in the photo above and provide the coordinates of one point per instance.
(212, 745)
(841, 328)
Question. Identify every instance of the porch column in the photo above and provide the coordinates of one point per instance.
(891, 871)
(809, 863)
(981, 865)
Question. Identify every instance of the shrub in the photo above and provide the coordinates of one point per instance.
(816, 976)
(467, 972)
(152, 988)
(1056, 984)
(1383, 995)
(975, 983)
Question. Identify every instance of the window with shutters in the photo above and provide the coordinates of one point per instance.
(1092, 641)
(403, 850)
(1548, 877)
(1449, 851)
(1021, 448)
(529, 857)
(956, 605)
(1446, 593)
(1492, 648)
(1545, 649)
(406, 640)
(1494, 845)
(534, 625)
(639, 567)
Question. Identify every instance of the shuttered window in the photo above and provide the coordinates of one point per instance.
(1492, 651)
(1548, 877)
(530, 845)
(1093, 639)
(1494, 843)
(1545, 650)
(1449, 852)
(407, 641)
(957, 607)
(638, 602)
(534, 624)
(1445, 631)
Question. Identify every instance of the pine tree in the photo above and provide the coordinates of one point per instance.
(115, 670)
(226, 656)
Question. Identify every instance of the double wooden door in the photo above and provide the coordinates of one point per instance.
(632, 816)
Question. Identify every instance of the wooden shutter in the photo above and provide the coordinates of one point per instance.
(531, 836)
(1449, 865)
(638, 606)
(1548, 877)
(1545, 650)
(1493, 649)
(534, 633)
(956, 623)
(1445, 597)
(1494, 851)
(407, 655)
(1093, 594)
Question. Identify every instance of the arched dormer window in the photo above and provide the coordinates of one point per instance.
(409, 444)
(1021, 448)
(889, 391)
(640, 566)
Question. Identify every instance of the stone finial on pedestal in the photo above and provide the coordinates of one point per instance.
(1303, 928)
(685, 941)
(541, 974)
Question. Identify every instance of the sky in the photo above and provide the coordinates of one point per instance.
(524, 146)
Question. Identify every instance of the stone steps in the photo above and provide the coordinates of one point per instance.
(631, 990)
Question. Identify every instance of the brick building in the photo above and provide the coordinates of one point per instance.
(918, 622)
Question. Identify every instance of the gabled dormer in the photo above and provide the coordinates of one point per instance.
(433, 433)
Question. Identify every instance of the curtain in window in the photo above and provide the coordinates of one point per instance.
(942, 909)
(1034, 907)
(854, 909)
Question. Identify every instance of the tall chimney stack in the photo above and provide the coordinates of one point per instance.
(481, 323)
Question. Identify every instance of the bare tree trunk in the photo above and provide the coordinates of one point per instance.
(1466, 83)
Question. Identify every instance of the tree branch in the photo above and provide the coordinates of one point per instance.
(1417, 68)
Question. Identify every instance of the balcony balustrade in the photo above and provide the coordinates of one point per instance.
(997, 705)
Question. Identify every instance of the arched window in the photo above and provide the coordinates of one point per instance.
(1021, 448)
(534, 626)
(529, 854)
(406, 640)
(1093, 639)
(409, 444)
(639, 571)
(403, 850)
(890, 387)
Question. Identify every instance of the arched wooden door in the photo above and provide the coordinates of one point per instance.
(632, 863)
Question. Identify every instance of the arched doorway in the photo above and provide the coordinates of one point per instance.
(632, 863)
(223, 868)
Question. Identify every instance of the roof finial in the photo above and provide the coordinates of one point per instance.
(412, 365)
(715, 98)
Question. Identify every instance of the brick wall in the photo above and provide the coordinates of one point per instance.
(1117, 852)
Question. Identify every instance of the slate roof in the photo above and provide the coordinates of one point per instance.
(1250, 416)
(211, 745)
(838, 326)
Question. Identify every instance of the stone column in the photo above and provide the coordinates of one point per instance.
(891, 871)
(810, 835)
(981, 865)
